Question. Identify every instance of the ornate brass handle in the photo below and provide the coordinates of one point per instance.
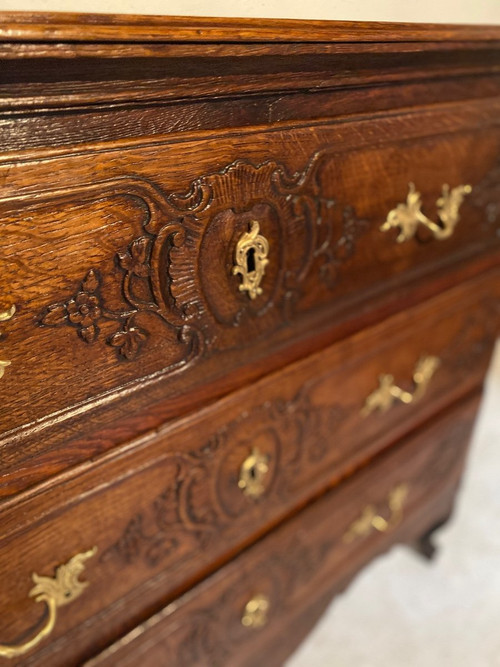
(406, 217)
(4, 317)
(55, 592)
(370, 520)
(253, 472)
(250, 260)
(256, 612)
(388, 392)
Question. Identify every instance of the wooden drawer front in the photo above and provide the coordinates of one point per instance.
(291, 415)
(121, 263)
(309, 556)
(164, 509)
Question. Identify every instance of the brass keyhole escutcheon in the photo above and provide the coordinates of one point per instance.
(253, 474)
(256, 612)
(250, 260)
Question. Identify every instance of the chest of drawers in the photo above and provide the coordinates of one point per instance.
(250, 285)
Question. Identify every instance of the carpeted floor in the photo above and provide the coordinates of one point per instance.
(403, 611)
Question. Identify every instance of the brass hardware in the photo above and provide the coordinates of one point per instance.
(55, 592)
(252, 474)
(256, 612)
(4, 317)
(370, 520)
(8, 314)
(388, 392)
(3, 366)
(251, 260)
(407, 216)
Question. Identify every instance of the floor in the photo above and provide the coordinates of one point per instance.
(403, 611)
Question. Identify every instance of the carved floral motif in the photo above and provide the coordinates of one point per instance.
(175, 270)
(168, 269)
(208, 629)
(202, 498)
(86, 310)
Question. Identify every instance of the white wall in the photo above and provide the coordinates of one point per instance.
(442, 11)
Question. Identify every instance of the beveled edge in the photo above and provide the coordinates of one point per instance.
(74, 27)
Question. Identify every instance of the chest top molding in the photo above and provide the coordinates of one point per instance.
(71, 27)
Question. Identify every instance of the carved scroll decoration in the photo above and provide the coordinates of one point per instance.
(177, 515)
(211, 630)
(166, 263)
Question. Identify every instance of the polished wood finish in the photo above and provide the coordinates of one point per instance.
(52, 27)
(173, 505)
(163, 346)
(136, 376)
(302, 559)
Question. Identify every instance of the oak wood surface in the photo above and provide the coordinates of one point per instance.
(302, 559)
(62, 26)
(118, 220)
(166, 509)
(23, 130)
(135, 152)
(29, 83)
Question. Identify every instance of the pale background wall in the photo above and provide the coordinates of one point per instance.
(447, 11)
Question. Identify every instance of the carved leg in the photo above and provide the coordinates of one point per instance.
(424, 545)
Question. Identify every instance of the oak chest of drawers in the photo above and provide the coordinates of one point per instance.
(250, 286)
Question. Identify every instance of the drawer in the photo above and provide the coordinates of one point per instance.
(234, 616)
(165, 509)
(146, 280)
(328, 390)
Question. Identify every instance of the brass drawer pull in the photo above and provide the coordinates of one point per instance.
(388, 392)
(253, 473)
(4, 317)
(8, 314)
(406, 217)
(55, 592)
(370, 520)
(256, 612)
(250, 260)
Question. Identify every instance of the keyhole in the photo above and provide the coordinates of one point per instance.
(253, 472)
(251, 260)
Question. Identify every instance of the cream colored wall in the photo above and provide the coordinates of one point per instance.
(448, 11)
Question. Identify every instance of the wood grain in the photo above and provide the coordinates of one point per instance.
(301, 560)
(48, 27)
(23, 130)
(141, 249)
(136, 152)
(167, 508)
(104, 80)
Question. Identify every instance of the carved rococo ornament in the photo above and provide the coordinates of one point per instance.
(172, 261)
(298, 429)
